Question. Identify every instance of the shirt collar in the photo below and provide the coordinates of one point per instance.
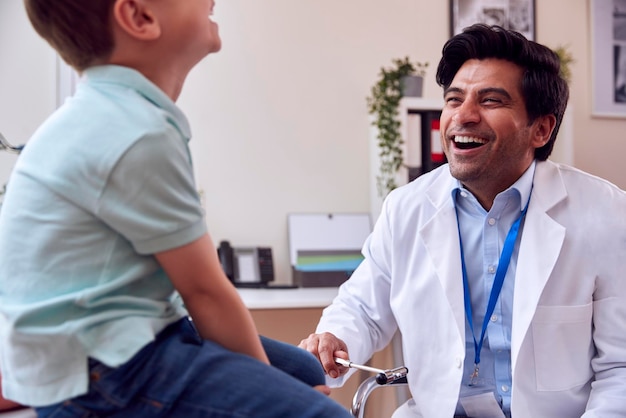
(133, 79)
(523, 186)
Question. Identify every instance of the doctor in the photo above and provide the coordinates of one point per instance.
(504, 272)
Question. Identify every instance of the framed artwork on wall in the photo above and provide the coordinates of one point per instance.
(518, 15)
(608, 50)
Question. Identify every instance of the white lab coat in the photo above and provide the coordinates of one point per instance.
(569, 312)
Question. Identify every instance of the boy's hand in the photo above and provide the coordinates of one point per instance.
(323, 389)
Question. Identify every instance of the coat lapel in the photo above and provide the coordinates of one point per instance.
(445, 253)
(541, 242)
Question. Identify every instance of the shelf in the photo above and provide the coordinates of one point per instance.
(420, 104)
(412, 112)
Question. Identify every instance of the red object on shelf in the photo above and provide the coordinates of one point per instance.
(436, 150)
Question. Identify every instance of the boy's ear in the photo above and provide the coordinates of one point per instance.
(136, 19)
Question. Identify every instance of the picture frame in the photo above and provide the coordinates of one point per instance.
(608, 50)
(518, 15)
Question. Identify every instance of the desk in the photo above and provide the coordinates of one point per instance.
(309, 297)
(290, 315)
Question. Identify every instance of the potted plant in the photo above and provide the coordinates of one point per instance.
(567, 59)
(383, 105)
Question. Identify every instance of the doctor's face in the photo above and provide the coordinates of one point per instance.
(485, 131)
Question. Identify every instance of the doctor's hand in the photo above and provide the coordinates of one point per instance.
(326, 347)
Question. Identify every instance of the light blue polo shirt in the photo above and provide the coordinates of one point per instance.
(102, 185)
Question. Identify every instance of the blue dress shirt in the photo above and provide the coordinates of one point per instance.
(483, 234)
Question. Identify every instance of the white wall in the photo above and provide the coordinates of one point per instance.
(599, 143)
(279, 115)
(27, 87)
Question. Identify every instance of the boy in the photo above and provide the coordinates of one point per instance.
(102, 223)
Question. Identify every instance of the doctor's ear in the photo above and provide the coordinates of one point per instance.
(542, 130)
(137, 19)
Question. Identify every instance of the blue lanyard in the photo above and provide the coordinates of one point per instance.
(503, 265)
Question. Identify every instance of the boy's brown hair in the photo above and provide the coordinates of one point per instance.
(79, 30)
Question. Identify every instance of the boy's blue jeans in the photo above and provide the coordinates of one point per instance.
(181, 375)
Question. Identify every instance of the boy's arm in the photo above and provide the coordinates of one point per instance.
(216, 308)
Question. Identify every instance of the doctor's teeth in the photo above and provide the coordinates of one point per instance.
(468, 139)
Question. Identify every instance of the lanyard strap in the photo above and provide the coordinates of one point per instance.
(503, 265)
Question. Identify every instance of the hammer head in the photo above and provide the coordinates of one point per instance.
(391, 375)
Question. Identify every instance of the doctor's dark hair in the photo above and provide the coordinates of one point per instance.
(544, 89)
(79, 30)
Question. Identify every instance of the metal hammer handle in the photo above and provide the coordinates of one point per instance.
(383, 377)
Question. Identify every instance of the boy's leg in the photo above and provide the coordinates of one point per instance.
(181, 375)
(294, 361)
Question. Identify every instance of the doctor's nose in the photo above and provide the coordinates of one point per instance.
(466, 113)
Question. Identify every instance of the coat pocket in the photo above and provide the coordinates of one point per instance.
(563, 346)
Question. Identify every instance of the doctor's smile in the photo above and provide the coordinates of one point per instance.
(465, 143)
(468, 142)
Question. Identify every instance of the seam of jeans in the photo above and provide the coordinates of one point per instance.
(62, 410)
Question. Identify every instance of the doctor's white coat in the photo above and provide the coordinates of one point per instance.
(569, 311)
